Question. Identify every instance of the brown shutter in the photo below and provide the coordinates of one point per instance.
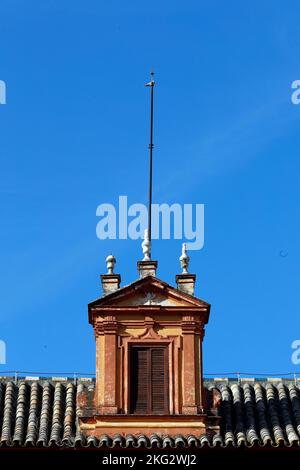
(158, 380)
(149, 380)
(139, 374)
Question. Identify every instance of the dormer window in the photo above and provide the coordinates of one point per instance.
(148, 356)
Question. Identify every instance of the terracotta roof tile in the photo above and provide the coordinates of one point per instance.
(45, 413)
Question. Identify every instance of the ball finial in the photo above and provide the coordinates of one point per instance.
(110, 263)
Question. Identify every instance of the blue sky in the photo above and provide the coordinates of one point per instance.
(74, 134)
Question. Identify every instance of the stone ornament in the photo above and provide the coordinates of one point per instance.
(110, 264)
(146, 246)
(184, 259)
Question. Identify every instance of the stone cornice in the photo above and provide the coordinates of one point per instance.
(147, 310)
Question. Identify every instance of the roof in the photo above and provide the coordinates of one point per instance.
(45, 413)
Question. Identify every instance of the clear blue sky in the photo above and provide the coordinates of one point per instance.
(74, 134)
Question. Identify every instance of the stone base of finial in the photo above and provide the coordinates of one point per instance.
(186, 283)
(147, 268)
(110, 283)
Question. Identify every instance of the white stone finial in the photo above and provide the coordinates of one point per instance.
(184, 259)
(146, 246)
(110, 264)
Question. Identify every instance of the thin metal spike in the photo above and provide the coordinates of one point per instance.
(151, 146)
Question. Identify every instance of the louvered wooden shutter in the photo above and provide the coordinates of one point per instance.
(139, 382)
(158, 378)
(149, 380)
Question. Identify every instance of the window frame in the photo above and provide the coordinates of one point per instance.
(150, 346)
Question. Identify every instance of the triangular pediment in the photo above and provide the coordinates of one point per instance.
(149, 291)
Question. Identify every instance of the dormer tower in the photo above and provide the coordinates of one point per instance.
(149, 376)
